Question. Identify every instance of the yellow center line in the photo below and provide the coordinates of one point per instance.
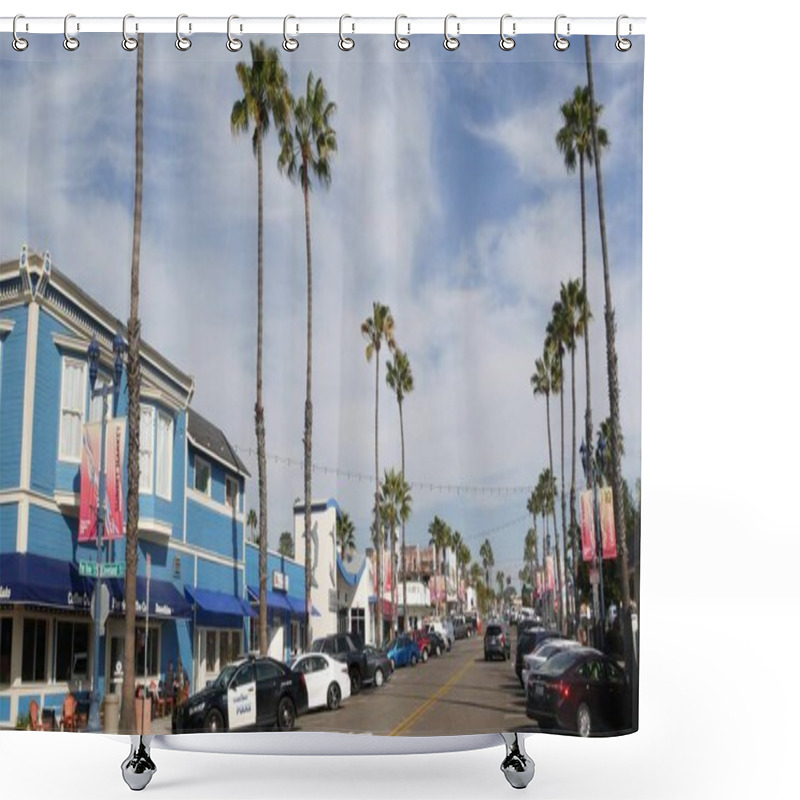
(431, 701)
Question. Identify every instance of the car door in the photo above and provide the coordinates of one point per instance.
(316, 681)
(616, 697)
(597, 699)
(268, 680)
(242, 699)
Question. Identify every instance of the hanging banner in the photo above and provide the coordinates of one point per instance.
(605, 502)
(587, 525)
(90, 480)
(551, 575)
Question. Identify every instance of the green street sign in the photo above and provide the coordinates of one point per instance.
(88, 569)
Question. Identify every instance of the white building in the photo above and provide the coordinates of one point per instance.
(354, 588)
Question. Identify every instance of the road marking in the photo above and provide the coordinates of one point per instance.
(431, 701)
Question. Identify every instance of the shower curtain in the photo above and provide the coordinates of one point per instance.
(360, 330)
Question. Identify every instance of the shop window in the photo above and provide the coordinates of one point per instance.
(72, 648)
(34, 650)
(152, 637)
(6, 632)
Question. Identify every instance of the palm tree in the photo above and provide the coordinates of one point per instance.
(265, 101)
(306, 156)
(286, 545)
(401, 380)
(487, 558)
(613, 379)
(377, 329)
(500, 579)
(127, 724)
(345, 533)
(456, 542)
(439, 535)
(530, 555)
(390, 516)
(604, 432)
(546, 491)
(252, 524)
(463, 558)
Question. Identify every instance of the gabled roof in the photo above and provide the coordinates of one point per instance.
(210, 438)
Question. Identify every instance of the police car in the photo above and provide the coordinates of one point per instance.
(252, 694)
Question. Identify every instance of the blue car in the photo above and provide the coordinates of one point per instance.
(402, 651)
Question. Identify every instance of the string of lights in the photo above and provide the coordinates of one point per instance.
(422, 486)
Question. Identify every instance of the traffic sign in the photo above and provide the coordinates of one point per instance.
(88, 569)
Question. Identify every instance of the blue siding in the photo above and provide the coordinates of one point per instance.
(215, 531)
(47, 402)
(218, 577)
(295, 572)
(5, 709)
(218, 475)
(12, 386)
(8, 527)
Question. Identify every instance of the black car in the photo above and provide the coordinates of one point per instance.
(379, 667)
(580, 690)
(249, 695)
(496, 641)
(349, 648)
(438, 643)
(528, 640)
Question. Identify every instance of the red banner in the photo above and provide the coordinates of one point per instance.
(90, 481)
(551, 575)
(608, 530)
(587, 525)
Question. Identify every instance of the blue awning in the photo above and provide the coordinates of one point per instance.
(274, 599)
(38, 580)
(166, 602)
(219, 603)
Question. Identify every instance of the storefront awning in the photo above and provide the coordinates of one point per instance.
(387, 606)
(285, 602)
(166, 602)
(42, 581)
(212, 602)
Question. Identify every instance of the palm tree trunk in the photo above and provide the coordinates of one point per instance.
(378, 531)
(403, 522)
(613, 390)
(586, 297)
(308, 413)
(573, 525)
(263, 633)
(562, 567)
(127, 716)
(553, 505)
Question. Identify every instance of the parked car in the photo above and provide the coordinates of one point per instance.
(461, 630)
(349, 648)
(444, 630)
(327, 680)
(580, 690)
(474, 622)
(403, 650)
(528, 639)
(423, 641)
(547, 649)
(379, 667)
(438, 643)
(496, 641)
(252, 694)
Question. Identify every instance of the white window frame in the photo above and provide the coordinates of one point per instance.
(147, 488)
(160, 478)
(200, 460)
(230, 480)
(66, 361)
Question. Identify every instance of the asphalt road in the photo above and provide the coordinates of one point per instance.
(457, 693)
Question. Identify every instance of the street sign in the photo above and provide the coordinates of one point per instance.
(88, 569)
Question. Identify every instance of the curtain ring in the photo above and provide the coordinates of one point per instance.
(506, 42)
(289, 44)
(233, 44)
(450, 42)
(181, 42)
(19, 44)
(345, 42)
(400, 42)
(70, 42)
(623, 45)
(561, 43)
(128, 42)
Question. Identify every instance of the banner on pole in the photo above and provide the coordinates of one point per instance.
(551, 575)
(608, 530)
(587, 525)
(90, 482)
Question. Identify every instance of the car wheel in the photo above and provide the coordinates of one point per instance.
(391, 661)
(355, 681)
(214, 722)
(378, 678)
(286, 714)
(334, 696)
(584, 721)
(414, 659)
(424, 655)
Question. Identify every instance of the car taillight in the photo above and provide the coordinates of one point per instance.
(503, 640)
(563, 689)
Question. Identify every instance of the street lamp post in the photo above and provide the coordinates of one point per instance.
(590, 471)
(103, 391)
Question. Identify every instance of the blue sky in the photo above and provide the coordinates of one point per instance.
(449, 202)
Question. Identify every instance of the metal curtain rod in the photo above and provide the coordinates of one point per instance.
(460, 26)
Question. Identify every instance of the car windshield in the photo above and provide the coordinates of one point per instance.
(494, 630)
(559, 663)
(317, 645)
(391, 645)
(224, 678)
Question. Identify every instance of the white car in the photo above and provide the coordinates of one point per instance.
(327, 680)
(444, 629)
(549, 647)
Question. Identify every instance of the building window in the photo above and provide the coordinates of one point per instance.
(146, 420)
(72, 650)
(202, 476)
(227, 644)
(164, 456)
(73, 403)
(152, 651)
(211, 651)
(232, 492)
(34, 647)
(6, 632)
(357, 623)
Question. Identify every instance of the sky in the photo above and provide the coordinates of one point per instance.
(449, 202)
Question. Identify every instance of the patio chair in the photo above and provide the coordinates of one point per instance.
(34, 723)
(68, 713)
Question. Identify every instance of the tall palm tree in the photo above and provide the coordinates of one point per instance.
(377, 329)
(500, 579)
(613, 379)
(401, 380)
(345, 533)
(265, 101)
(306, 154)
(574, 141)
(487, 558)
(456, 542)
(127, 721)
(252, 524)
(439, 534)
(390, 516)
(463, 558)
(530, 556)
(286, 544)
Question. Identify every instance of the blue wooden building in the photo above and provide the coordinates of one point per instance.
(192, 511)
